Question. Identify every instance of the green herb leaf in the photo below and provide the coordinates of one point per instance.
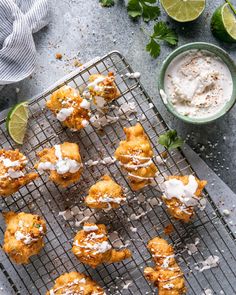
(153, 48)
(170, 140)
(134, 8)
(107, 3)
(143, 8)
(163, 32)
(37, 225)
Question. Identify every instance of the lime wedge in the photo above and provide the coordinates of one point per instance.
(183, 10)
(223, 24)
(16, 122)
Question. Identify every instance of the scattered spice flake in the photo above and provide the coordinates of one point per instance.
(164, 155)
(168, 229)
(77, 63)
(58, 55)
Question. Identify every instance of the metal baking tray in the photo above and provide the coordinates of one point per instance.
(142, 212)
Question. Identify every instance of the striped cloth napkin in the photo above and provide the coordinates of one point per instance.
(18, 20)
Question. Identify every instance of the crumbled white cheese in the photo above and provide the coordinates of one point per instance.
(226, 212)
(85, 104)
(64, 113)
(134, 75)
(208, 292)
(133, 229)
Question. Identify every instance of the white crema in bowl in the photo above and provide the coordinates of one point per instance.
(198, 84)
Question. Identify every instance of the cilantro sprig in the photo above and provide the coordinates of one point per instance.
(107, 3)
(149, 11)
(170, 140)
(161, 33)
(144, 8)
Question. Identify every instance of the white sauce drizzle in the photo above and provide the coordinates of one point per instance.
(94, 85)
(140, 177)
(136, 166)
(11, 172)
(99, 247)
(107, 199)
(63, 165)
(210, 262)
(88, 228)
(26, 238)
(69, 288)
(175, 188)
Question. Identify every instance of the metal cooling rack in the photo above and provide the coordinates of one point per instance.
(45, 198)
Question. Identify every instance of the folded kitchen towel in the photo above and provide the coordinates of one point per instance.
(18, 20)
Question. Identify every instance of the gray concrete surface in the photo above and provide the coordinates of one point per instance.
(83, 29)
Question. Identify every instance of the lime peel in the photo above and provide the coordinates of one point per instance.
(223, 24)
(184, 10)
(16, 122)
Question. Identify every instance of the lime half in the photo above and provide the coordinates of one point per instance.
(183, 10)
(17, 120)
(223, 24)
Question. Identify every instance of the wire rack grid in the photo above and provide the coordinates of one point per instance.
(142, 212)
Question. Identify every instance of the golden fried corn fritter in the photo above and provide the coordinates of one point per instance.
(70, 108)
(91, 246)
(12, 164)
(135, 156)
(105, 194)
(102, 89)
(182, 194)
(63, 162)
(23, 237)
(75, 283)
(167, 275)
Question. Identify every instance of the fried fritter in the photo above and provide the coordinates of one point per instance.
(63, 162)
(70, 108)
(75, 283)
(182, 194)
(105, 194)
(91, 246)
(12, 164)
(167, 275)
(102, 89)
(135, 156)
(23, 237)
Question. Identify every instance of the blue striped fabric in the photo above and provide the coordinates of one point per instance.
(18, 20)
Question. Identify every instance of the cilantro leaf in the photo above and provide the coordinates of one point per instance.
(153, 48)
(143, 8)
(107, 3)
(163, 32)
(134, 8)
(170, 140)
